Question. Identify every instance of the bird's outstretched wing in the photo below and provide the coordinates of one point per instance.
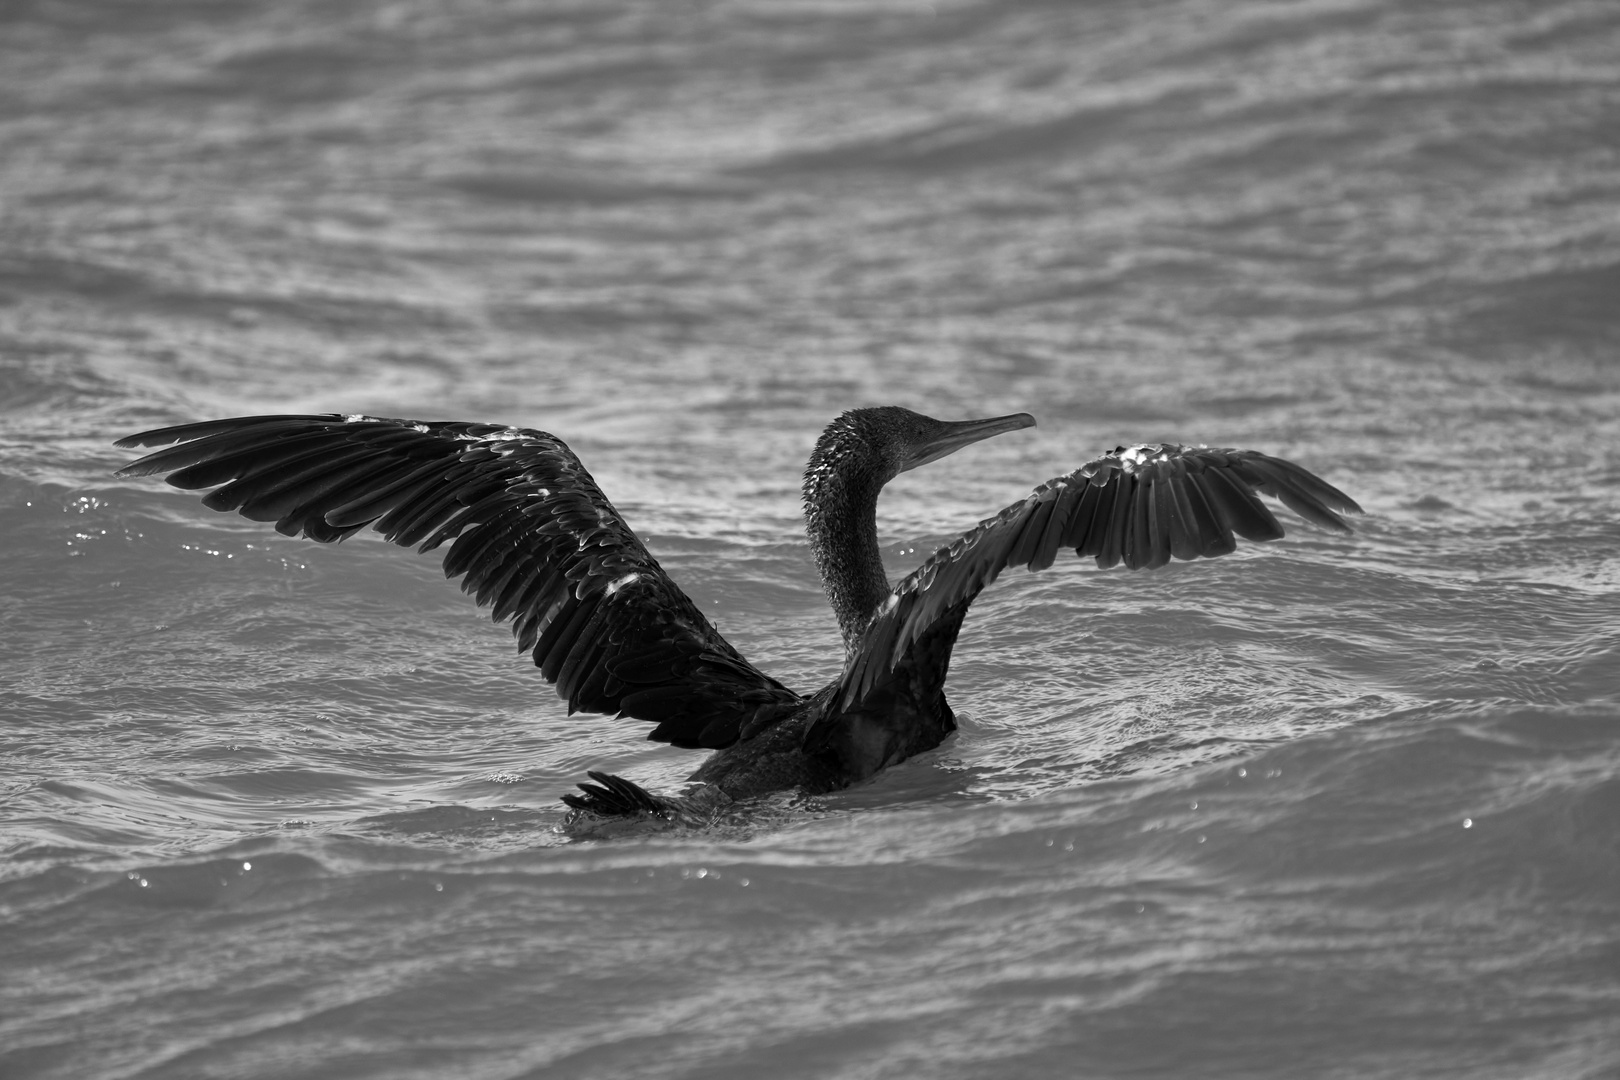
(1142, 506)
(535, 538)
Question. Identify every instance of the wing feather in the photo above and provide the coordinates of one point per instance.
(1111, 544)
(381, 498)
(1241, 512)
(1213, 539)
(1096, 499)
(1141, 506)
(1065, 498)
(1032, 526)
(530, 535)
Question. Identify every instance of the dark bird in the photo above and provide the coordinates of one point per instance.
(537, 541)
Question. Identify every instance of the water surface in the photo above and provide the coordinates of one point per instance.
(1332, 807)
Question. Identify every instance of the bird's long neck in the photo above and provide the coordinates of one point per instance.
(840, 513)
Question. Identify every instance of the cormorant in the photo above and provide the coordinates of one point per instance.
(536, 540)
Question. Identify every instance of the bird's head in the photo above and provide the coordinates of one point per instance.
(857, 454)
(877, 444)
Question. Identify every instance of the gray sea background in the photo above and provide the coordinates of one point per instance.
(1334, 807)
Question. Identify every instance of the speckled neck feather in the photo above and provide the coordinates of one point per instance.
(847, 471)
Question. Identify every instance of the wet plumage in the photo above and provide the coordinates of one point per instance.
(534, 539)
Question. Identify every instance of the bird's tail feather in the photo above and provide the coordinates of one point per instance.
(614, 796)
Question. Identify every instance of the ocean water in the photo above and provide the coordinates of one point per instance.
(1330, 807)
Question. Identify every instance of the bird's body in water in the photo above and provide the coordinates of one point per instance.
(539, 543)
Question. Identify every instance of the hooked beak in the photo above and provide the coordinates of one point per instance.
(955, 434)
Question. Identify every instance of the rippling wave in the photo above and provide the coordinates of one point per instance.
(1338, 806)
